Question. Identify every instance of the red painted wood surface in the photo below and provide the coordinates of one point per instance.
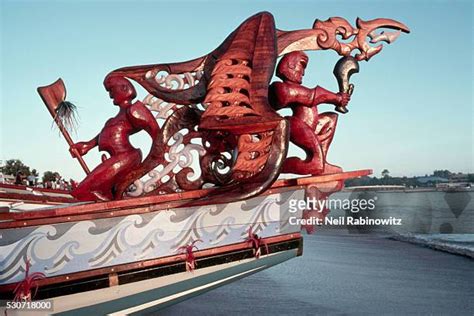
(95, 210)
(35, 199)
(25, 187)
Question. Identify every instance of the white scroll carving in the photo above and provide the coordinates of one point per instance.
(179, 155)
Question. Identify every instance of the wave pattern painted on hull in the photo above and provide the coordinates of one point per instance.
(65, 248)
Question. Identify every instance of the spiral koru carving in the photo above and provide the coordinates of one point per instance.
(328, 34)
(216, 107)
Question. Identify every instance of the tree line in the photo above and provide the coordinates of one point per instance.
(15, 167)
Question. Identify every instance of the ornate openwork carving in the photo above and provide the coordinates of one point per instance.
(211, 119)
(328, 34)
(253, 152)
(179, 139)
(162, 108)
(228, 92)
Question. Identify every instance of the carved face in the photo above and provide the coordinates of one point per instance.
(121, 91)
(291, 67)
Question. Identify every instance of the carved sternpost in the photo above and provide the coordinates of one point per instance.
(216, 109)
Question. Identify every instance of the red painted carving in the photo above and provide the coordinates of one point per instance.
(311, 131)
(318, 211)
(237, 117)
(23, 291)
(188, 250)
(335, 34)
(132, 117)
(256, 243)
(224, 109)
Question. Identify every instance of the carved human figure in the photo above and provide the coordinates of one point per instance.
(309, 130)
(114, 139)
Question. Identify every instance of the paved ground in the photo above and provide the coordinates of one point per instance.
(347, 274)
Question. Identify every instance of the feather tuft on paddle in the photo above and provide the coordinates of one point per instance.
(66, 115)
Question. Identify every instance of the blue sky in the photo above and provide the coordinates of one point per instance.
(411, 112)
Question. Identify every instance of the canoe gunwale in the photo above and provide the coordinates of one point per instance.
(96, 210)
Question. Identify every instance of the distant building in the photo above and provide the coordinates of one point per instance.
(376, 188)
(431, 180)
(459, 177)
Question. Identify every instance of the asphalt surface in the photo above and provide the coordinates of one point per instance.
(348, 274)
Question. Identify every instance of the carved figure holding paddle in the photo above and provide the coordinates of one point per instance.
(114, 139)
(101, 183)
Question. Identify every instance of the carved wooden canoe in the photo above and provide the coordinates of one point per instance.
(125, 256)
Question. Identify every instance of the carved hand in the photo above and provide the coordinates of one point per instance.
(80, 149)
(343, 98)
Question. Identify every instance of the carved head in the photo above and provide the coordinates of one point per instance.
(120, 89)
(291, 67)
